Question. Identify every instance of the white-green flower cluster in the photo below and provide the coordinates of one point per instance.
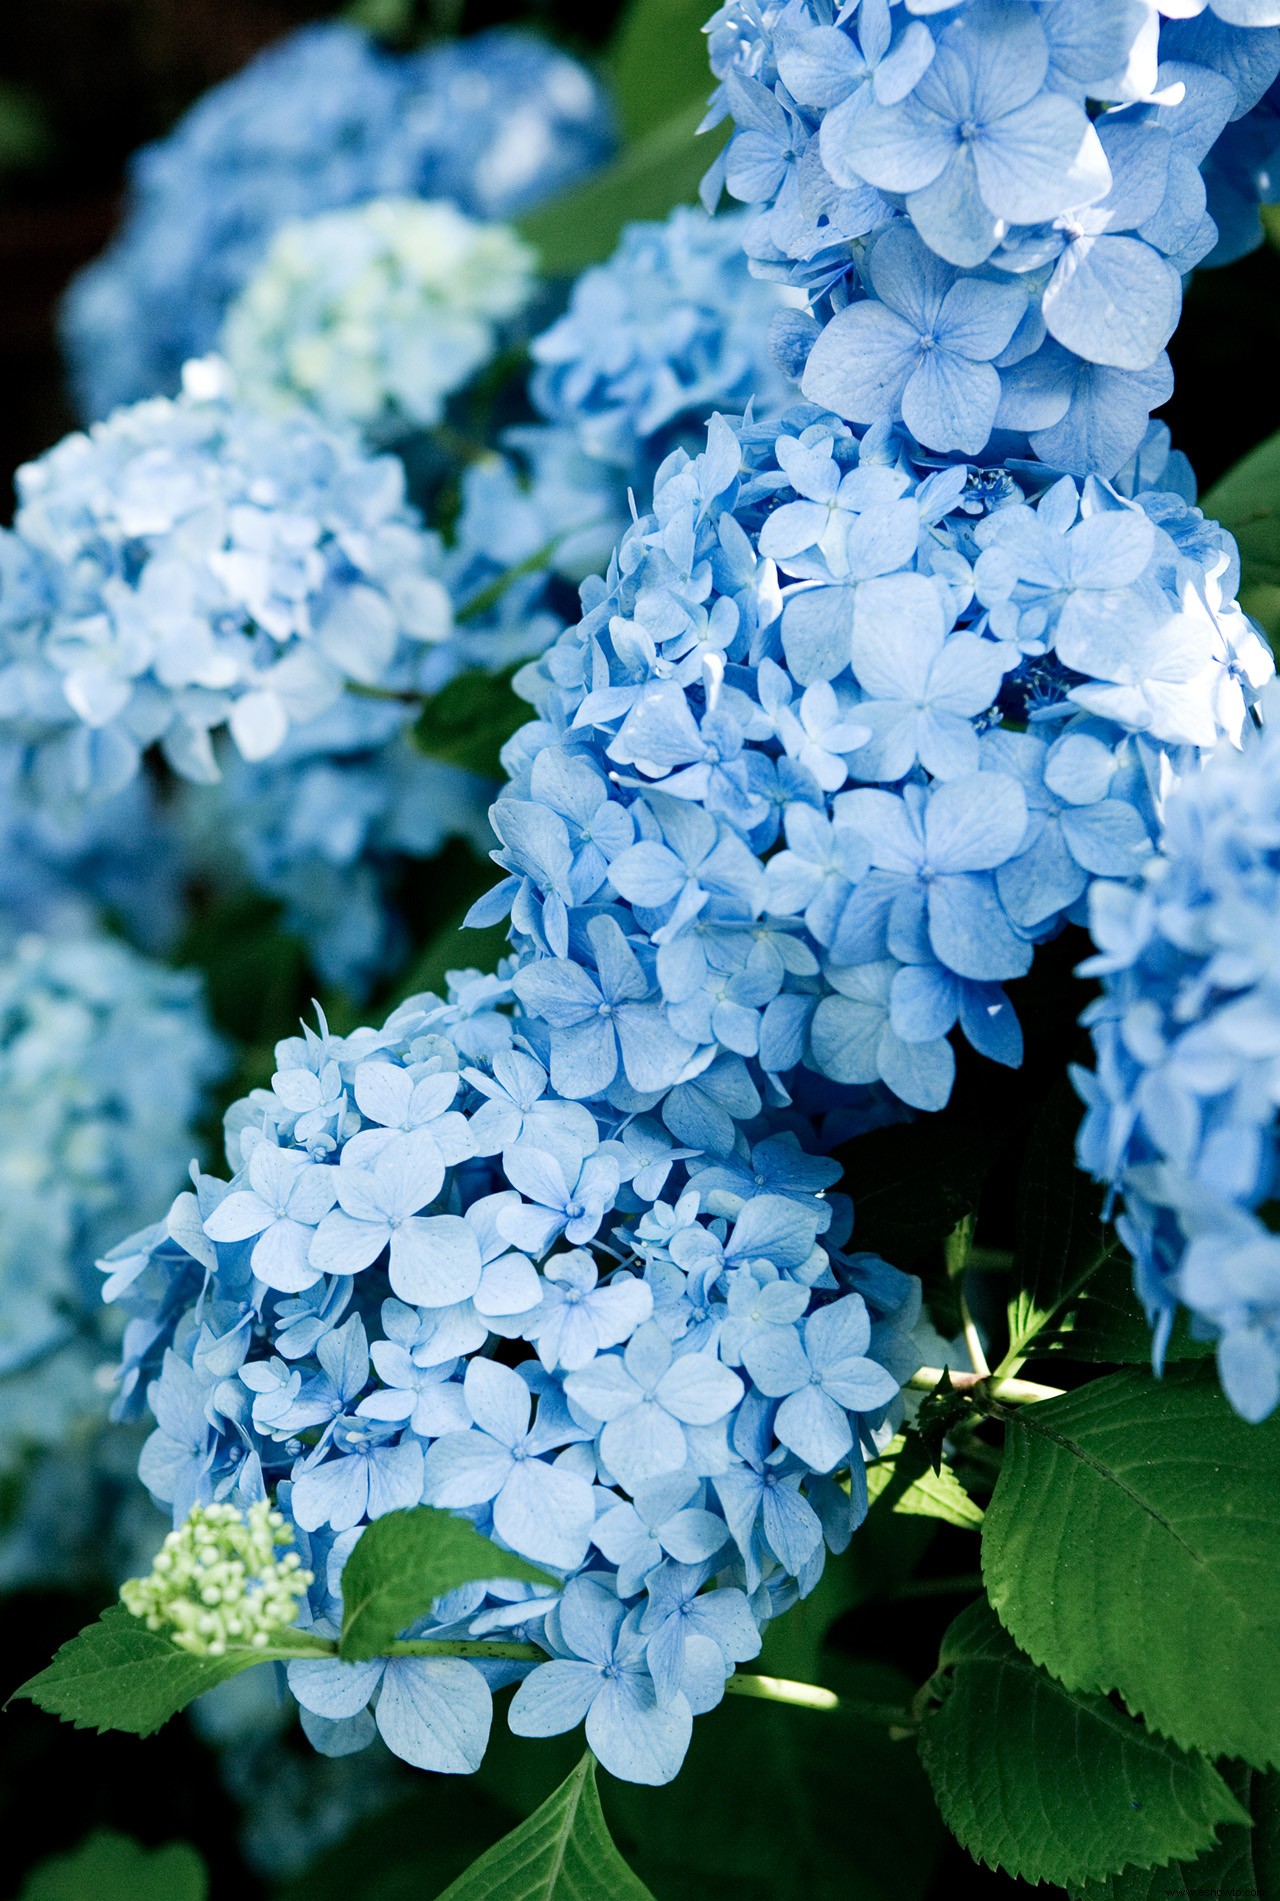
(220, 1580)
(375, 315)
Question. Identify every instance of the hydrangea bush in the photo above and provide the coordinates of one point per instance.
(322, 120)
(545, 1340)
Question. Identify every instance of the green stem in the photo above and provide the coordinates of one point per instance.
(805, 1696)
(1015, 1392)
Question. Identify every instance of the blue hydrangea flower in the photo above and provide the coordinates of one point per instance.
(105, 1062)
(203, 566)
(1053, 151)
(1181, 1104)
(321, 120)
(799, 694)
(322, 1326)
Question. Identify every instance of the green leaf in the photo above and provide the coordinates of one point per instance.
(1055, 1786)
(1133, 1544)
(111, 1867)
(902, 1480)
(563, 1852)
(404, 1561)
(659, 58)
(1247, 502)
(1245, 1861)
(26, 135)
(469, 722)
(912, 1184)
(777, 1804)
(660, 171)
(117, 1674)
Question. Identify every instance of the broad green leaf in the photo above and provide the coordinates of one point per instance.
(111, 1867)
(912, 1184)
(658, 59)
(1247, 502)
(660, 171)
(1133, 1544)
(1244, 1862)
(404, 1561)
(1051, 1785)
(902, 1480)
(563, 1852)
(117, 1674)
(469, 722)
(777, 1804)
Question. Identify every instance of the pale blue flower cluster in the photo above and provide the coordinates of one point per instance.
(837, 742)
(1183, 1103)
(191, 565)
(991, 205)
(636, 1353)
(105, 1061)
(670, 329)
(375, 315)
(321, 120)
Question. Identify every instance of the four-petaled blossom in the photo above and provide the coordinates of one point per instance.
(286, 1196)
(821, 1374)
(543, 1511)
(645, 1399)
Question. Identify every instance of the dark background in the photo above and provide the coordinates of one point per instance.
(82, 84)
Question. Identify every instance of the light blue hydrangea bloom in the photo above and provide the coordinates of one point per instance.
(1047, 155)
(671, 328)
(321, 120)
(404, 1199)
(105, 1060)
(1181, 1106)
(836, 743)
(373, 316)
(191, 565)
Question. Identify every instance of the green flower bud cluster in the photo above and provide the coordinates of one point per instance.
(219, 1581)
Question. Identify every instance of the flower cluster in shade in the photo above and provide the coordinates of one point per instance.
(191, 565)
(1184, 1099)
(670, 329)
(990, 206)
(374, 315)
(632, 1347)
(838, 741)
(105, 1061)
(321, 120)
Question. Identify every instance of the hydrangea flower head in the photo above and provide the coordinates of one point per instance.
(373, 316)
(669, 329)
(321, 120)
(684, 1370)
(1182, 1102)
(195, 565)
(839, 739)
(105, 1059)
(992, 207)
(221, 1580)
